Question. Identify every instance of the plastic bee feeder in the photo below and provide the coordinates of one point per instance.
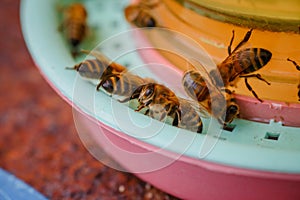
(258, 159)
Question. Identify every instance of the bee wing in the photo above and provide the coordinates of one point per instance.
(133, 80)
(197, 66)
(130, 76)
(136, 83)
(217, 97)
(206, 76)
(100, 56)
(201, 109)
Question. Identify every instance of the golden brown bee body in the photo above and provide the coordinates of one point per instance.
(74, 24)
(238, 64)
(243, 62)
(139, 14)
(195, 86)
(95, 69)
(161, 102)
(217, 101)
(190, 118)
(298, 68)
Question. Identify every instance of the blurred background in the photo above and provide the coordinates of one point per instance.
(38, 140)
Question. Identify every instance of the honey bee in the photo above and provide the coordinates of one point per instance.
(97, 68)
(139, 14)
(114, 78)
(161, 102)
(242, 63)
(239, 63)
(74, 25)
(201, 87)
(298, 68)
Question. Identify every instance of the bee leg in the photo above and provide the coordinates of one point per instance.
(298, 68)
(147, 112)
(141, 106)
(179, 114)
(222, 122)
(176, 120)
(228, 91)
(251, 90)
(294, 62)
(99, 85)
(230, 44)
(225, 126)
(228, 127)
(134, 95)
(124, 100)
(163, 116)
(232, 112)
(200, 128)
(258, 76)
(245, 39)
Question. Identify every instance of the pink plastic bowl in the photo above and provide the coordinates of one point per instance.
(189, 178)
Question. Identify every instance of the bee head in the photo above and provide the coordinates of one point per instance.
(231, 112)
(146, 92)
(109, 83)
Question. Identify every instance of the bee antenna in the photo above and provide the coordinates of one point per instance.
(230, 44)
